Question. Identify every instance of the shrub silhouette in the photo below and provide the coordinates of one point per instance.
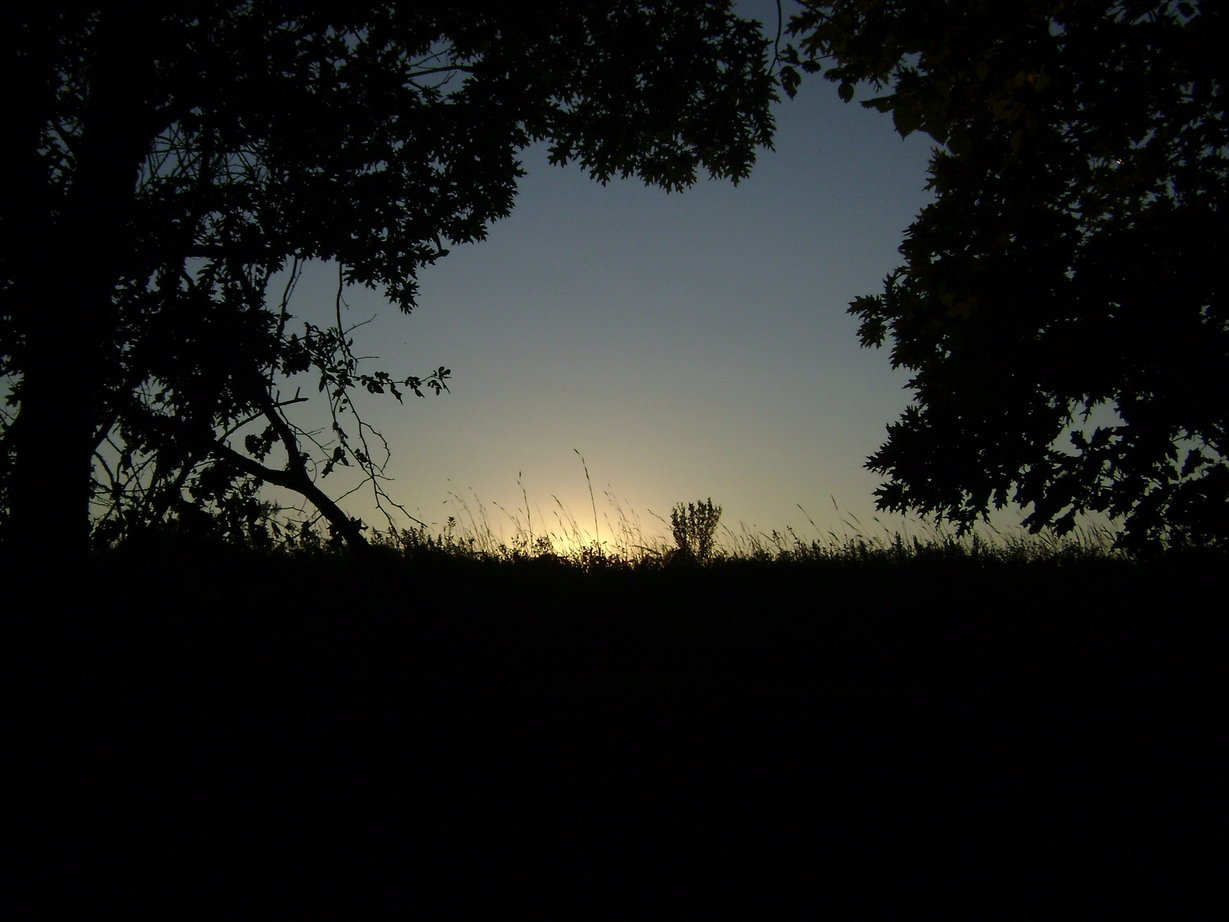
(694, 527)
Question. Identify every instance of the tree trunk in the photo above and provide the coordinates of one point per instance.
(63, 299)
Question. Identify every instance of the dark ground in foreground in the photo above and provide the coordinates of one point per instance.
(937, 737)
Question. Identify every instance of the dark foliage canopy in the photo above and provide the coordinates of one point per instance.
(165, 161)
(1062, 304)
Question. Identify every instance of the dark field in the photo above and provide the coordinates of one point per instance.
(930, 735)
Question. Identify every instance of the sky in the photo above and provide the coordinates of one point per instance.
(687, 345)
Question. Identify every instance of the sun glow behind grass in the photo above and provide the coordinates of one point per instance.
(612, 531)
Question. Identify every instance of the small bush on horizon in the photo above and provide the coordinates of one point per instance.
(695, 528)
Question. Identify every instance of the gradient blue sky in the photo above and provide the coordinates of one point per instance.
(687, 345)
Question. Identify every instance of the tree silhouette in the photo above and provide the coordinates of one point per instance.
(1062, 303)
(165, 162)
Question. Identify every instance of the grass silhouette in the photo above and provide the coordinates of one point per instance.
(471, 532)
(1003, 726)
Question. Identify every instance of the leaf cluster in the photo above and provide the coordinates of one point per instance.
(1061, 305)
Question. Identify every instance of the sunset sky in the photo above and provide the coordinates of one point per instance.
(687, 346)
